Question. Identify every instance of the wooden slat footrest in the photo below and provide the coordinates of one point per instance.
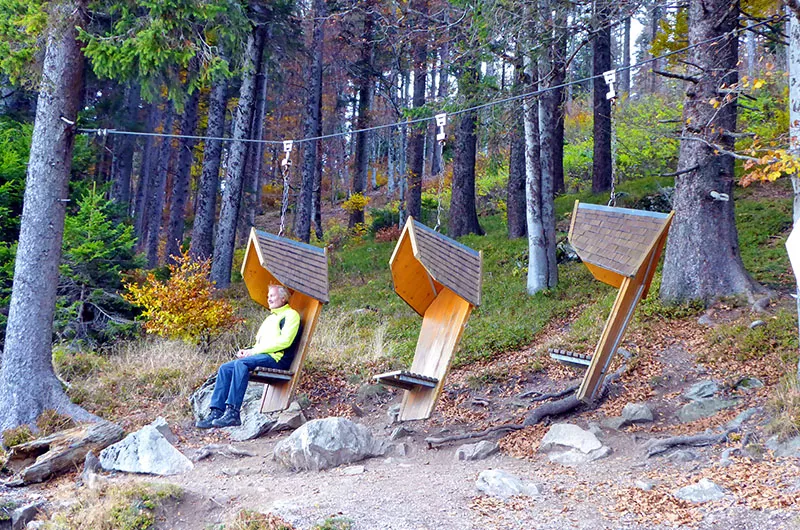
(270, 375)
(571, 358)
(406, 380)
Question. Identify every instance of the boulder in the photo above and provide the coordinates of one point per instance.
(569, 435)
(637, 413)
(145, 451)
(478, 451)
(575, 457)
(704, 408)
(290, 419)
(703, 491)
(162, 426)
(254, 424)
(790, 447)
(701, 390)
(499, 483)
(757, 324)
(325, 443)
(748, 383)
(23, 515)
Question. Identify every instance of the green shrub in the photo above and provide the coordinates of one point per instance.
(70, 364)
(17, 435)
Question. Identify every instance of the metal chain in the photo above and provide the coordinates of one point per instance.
(612, 199)
(285, 200)
(439, 193)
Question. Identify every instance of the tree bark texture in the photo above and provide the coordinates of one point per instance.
(416, 141)
(123, 149)
(702, 258)
(183, 175)
(558, 96)
(312, 128)
(158, 189)
(515, 190)
(255, 155)
(202, 245)
(28, 384)
(601, 62)
(142, 205)
(625, 74)
(437, 162)
(232, 196)
(463, 215)
(365, 95)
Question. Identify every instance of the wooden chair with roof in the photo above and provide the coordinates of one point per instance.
(441, 280)
(621, 247)
(303, 269)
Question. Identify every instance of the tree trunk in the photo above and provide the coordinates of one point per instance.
(183, 174)
(793, 67)
(28, 384)
(515, 199)
(255, 155)
(463, 216)
(365, 94)
(124, 148)
(601, 62)
(141, 207)
(625, 74)
(702, 258)
(229, 213)
(557, 97)
(158, 190)
(202, 245)
(313, 127)
(437, 164)
(416, 142)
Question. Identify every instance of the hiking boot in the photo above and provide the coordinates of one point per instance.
(229, 419)
(205, 423)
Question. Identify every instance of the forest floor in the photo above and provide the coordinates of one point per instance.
(429, 488)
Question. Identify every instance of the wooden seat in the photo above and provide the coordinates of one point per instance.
(303, 269)
(406, 380)
(441, 280)
(581, 360)
(270, 376)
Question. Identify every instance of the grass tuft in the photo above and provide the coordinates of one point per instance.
(784, 408)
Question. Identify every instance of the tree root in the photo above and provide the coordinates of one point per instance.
(656, 447)
(554, 408)
(551, 395)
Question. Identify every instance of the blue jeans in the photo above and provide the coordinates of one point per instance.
(232, 378)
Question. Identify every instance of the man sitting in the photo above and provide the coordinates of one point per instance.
(275, 335)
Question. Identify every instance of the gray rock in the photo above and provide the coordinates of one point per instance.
(704, 408)
(757, 324)
(400, 432)
(742, 417)
(145, 451)
(161, 424)
(254, 424)
(478, 451)
(789, 448)
(569, 435)
(682, 455)
(761, 305)
(706, 320)
(575, 457)
(368, 390)
(703, 491)
(725, 458)
(637, 413)
(499, 483)
(290, 419)
(701, 390)
(325, 443)
(22, 515)
(595, 428)
(394, 412)
(398, 449)
(615, 423)
(353, 470)
(747, 383)
(644, 485)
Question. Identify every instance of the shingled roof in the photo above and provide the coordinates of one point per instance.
(616, 239)
(446, 261)
(298, 266)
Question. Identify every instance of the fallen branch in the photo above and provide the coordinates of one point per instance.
(218, 449)
(656, 447)
(673, 75)
(554, 408)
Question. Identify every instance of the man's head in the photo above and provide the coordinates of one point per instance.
(278, 296)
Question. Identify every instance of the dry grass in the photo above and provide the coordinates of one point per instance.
(147, 378)
(341, 341)
(129, 505)
(784, 407)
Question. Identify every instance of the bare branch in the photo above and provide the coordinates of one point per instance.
(681, 172)
(718, 148)
(673, 75)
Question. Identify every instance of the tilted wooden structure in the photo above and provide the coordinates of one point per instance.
(301, 268)
(441, 280)
(621, 247)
